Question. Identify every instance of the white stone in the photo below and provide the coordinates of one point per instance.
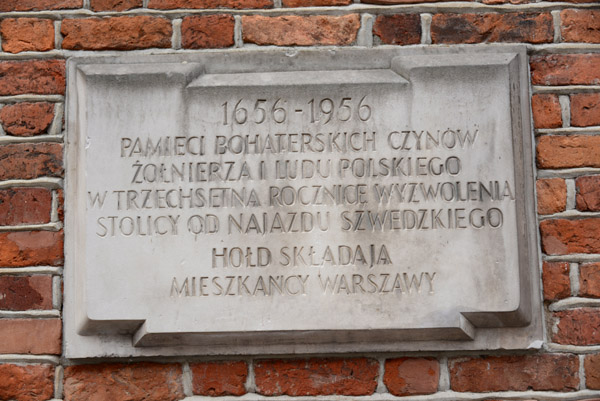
(233, 202)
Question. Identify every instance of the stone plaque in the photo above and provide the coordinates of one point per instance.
(300, 201)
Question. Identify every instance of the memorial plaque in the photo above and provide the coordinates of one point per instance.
(300, 201)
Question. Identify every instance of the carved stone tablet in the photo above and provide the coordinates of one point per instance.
(315, 201)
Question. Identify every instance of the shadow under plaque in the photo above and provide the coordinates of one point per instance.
(340, 200)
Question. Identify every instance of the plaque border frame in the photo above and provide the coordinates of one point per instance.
(78, 346)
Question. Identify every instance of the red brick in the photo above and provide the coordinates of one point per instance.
(547, 372)
(551, 195)
(31, 248)
(507, 1)
(207, 31)
(115, 5)
(580, 26)
(492, 27)
(563, 237)
(546, 111)
(117, 381)
(392, 2)
(196, 4)
(27, 34)
(588, 193)
(25, 292)
(577, 327)
(116, 33)
(589, 280)
(311, 377)
(292, 30)
(25, 206)
(30, 336)
(26, 382)
(579, 2)
(565, 69)
(26, 119)
(61, 204)
(555, 151)
(399, 29)
(315, 3)
(219, 378)
(30, 160)
(43, 77)
(411, 376)
(585, 109)
(555, 277)
(38, 5)
(591, 365)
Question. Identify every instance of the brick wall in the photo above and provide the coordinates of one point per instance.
(564, 46)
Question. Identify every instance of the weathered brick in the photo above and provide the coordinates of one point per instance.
(116, 33)
(551, 195)
(589, 280)
(39, 5)
(219, 378)
(207, 31)
(555, 277)
(195, 4)
(115, 5)
(315, 3)
(411, 376)
(398, 29)
(26, 382)
(26, 119)
(117, 381)
(492, 27)
(547, 372)
(311, 377)
(546, 111)
(507, 1)
(27, 34)
(565, 69)
(31, 248)
(30, 336)
(392, 2)
(25, 292)
(580, 26)
(557, 151)
(293, 30)
(591, 365)
(585, 109)
(562, 237)
(43, 77)
(25, 206)
(30, 160)
(61, 204)
(580, 2)
(577, 327)
(588, 193)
